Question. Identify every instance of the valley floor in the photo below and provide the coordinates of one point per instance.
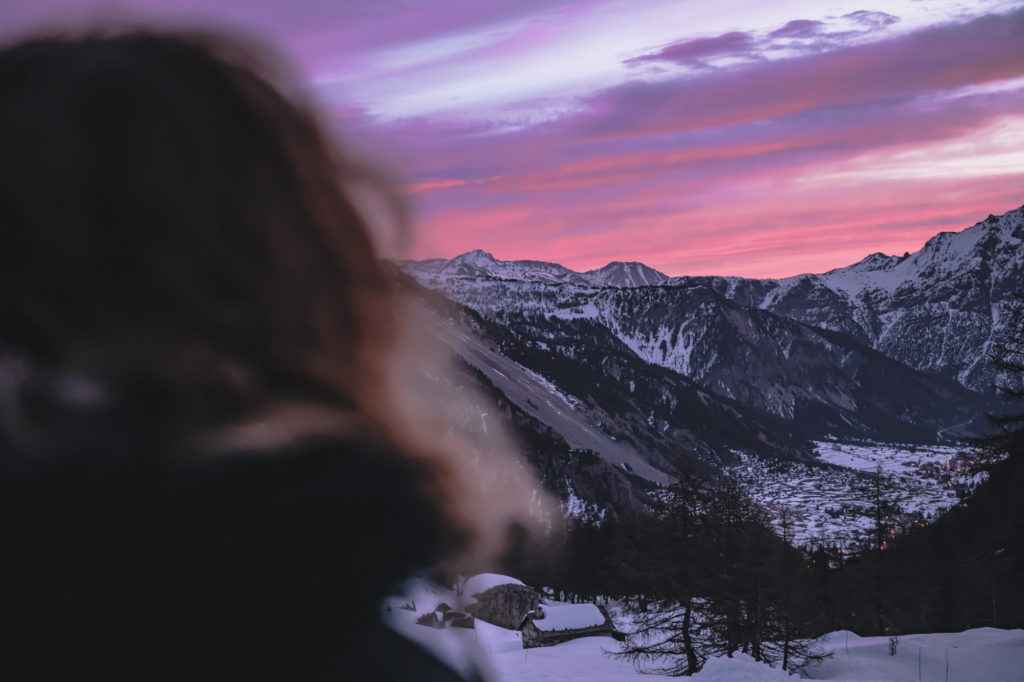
(831, 503)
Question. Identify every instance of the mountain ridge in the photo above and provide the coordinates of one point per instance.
(953, 296)
(610, 378)
(878, 256)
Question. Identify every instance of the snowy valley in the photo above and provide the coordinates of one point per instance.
(830, 501)
(981, 654)
(842, 404)
(629, 367)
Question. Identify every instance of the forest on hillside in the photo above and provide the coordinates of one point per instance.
(706, 570)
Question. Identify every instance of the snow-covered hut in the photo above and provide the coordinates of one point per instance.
(499, 599)
(549, 625)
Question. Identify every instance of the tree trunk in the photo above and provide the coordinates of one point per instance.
(691, 655)
(785, 644)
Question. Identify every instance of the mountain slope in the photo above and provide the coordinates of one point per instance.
(825, 382)
(942, 309)
(599, 424)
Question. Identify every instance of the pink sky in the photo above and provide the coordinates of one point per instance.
(734, 138)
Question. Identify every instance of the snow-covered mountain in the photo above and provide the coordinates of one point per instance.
(479, 263)
(827, 383)
(625, 275)
(608, 376)
(942, 310)
(598, 423)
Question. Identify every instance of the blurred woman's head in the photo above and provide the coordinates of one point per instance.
(179, 235)
(169, 219)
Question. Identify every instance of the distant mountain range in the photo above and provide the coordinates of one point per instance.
(646, 366)
(939, 310)
(478, 263)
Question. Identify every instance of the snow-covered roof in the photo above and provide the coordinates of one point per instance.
(485, 581)
(569, 617)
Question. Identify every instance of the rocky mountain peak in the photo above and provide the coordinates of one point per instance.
(626, 274)
(476, 257)
(877, 261)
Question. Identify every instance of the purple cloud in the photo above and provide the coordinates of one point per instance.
(799, 28)
(872, 19)
(930, 60)
(630, 166)
(720, 124)
(641, 169)
(318, 29)
(693, 51)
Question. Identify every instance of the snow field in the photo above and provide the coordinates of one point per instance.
(980, 655)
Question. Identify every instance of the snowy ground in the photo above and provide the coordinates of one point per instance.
(831, 504)
(981, 655)
(581, 659)
(497, 650)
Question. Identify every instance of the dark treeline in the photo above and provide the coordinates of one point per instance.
(704, 574)
(966, 570)
(709, 571)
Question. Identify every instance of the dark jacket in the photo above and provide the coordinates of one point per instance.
(123, 560)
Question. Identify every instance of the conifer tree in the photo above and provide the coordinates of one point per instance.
(667, 624)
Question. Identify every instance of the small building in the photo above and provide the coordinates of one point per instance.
(499, 600)
(550, 625)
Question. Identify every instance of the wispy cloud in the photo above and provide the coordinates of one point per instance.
(694, 51)
(734, 137)
(637, 169)
(872, 19)
(799, 28)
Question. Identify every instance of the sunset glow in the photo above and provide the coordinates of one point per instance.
(731, 138)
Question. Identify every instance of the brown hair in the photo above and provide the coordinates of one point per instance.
(174, 224)
(171, 208)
